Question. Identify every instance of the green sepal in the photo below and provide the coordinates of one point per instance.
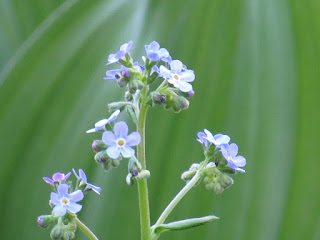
(183, 224)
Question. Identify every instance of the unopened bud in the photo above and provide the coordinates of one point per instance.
(143, 174)
(129, 179)
(191, 93)
(45, 220)
(180, 102)
(101, 157)
(187, 175)
(98, 145)
(115, 162)
(128, 96)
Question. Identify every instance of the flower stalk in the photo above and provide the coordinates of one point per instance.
(85, 230)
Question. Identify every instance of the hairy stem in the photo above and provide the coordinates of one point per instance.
(85, 230)
(142, 184)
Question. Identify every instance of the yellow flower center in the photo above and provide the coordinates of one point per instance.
(64, 201)
(176, 77)
(121, 142)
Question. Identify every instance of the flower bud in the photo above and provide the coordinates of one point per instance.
(116, 105)
(101, 157)
(115, 162)
(143, 174)
(187, 175)
(191, 93)
(45, 220)
(128, 96)
(98, 145)
(180, 102)
(129, 179)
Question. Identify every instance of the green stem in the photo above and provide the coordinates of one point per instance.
(181, 194)
(142, 184)
(85, 230)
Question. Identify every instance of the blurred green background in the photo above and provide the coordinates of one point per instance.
(257, 80)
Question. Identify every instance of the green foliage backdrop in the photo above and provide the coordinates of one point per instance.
(257, 80)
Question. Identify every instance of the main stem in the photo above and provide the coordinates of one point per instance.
(85, 230)
(142, 184)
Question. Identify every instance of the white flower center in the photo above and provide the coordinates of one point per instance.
(121, 142)
(176, 77)
(65, 201)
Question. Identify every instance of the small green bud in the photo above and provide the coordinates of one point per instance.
(180, 102)
(102, 157)
(64, 230)
(107, 165)
(115, 162)
(128, 96)
(187, 175)
(98, 145)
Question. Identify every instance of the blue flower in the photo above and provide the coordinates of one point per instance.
(124, 49)
(120, 142)
(57, 177)
(178, 76)
(115, 74)
(64, 201)
(230, 152)
(100, 125)
(155, 53)
(218, 140)
(83, 181)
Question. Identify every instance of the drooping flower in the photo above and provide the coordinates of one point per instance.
(57, 178)
(155, 53)
(120, 142)
(178, 76)
(65, 201)
(115, 74)
(83, 181)
(230, 152)
(100, 125)
(218, 140)
(124, 49)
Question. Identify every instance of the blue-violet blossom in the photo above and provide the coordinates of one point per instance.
(218, 140)
(115, 74)
(83, 181)
(230, 152)
(65, 201)
(124, 49)
(57, 177)
(120, 142)
(100, 125)
(178, 76)
(155, 53)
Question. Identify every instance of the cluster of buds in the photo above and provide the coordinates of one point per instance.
(64, 202)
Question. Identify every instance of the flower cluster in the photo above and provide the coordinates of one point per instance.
(64, 201)
(173, 77)
(216, 174)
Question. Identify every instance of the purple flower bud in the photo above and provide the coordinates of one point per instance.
(40, 222)
(191, 93)
(161, 99)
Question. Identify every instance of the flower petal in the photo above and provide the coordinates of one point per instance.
(176, 66)
(164, 72)
(113, 152)
(187, 76)
(63, 189)
(60, 210)
(75, 173)
(83, 176)
(108, 138)
(54, 198)
(133, 139)
(240, 161)
(233, 150)
(184, 86)
(74, 207)
(76, 196)
(48, 180)
(94, 188)
(114, 116)
(127, 152)
(121, 130)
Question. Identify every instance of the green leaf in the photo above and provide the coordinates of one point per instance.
(184, 224)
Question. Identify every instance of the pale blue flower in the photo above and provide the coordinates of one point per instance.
(83, 181)
(57, 178)
(178, 76)
(155, 53)
(115, 74)
(120, 142)
(124, 49)
(65, 201)
(218, 140)
(230, 152)
(100, 125)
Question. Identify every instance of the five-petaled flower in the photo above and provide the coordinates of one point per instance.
(178, 76)
(155, 53)
(100, 125)
(120, 142)
(230, 152)
(57, 177)
(218, 140)
(83, 181)
(124, 49)
(65, 201)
